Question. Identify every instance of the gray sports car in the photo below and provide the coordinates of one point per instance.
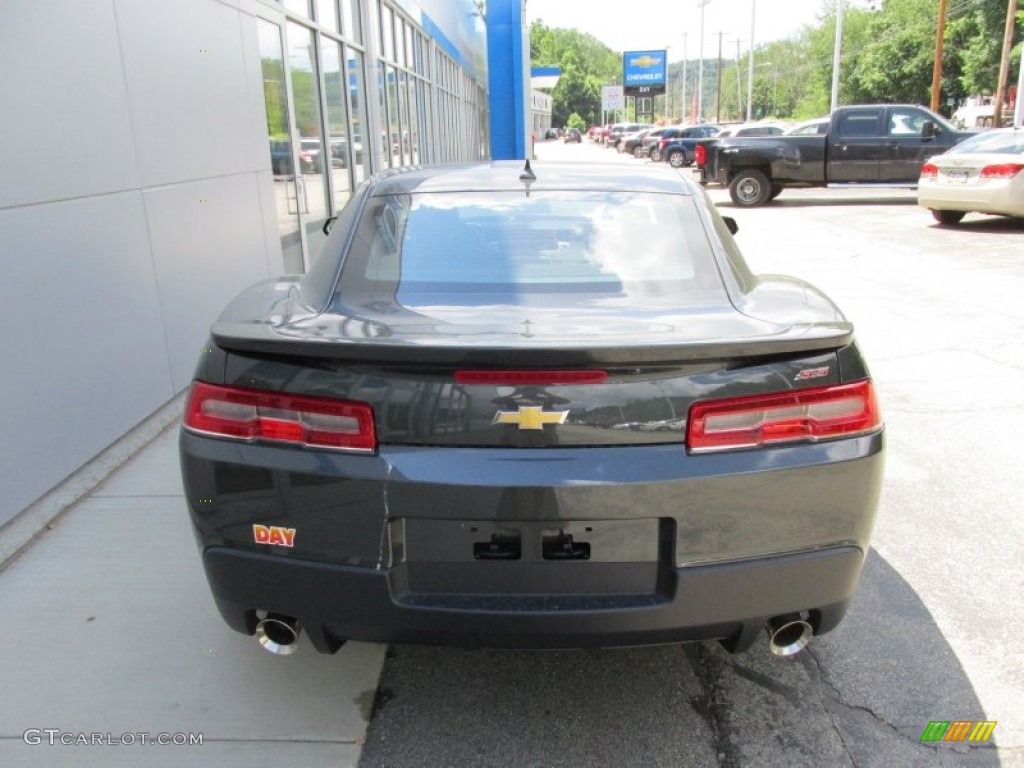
(532, 408)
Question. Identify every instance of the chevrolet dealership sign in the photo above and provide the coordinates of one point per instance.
(644, 73)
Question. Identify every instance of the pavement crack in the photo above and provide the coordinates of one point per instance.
(831, 694)
(711, 706)
(812, 664)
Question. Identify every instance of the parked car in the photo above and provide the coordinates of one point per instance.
(486, 418)
(753, 129)
(678, 143)
(816, 127)
(649, 145)
(630, 143)
(864, 144)
(281, 163)
(984, 174)
(310, 155)
(572, 135)
(619, 130)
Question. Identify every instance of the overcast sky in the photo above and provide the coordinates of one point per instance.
(659, 24)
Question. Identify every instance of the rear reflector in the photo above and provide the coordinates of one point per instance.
(929, 171)
(249, 414)
(530, 378)
(1001, 171)
(808, 414)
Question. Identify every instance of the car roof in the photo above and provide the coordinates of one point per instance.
(504, 175)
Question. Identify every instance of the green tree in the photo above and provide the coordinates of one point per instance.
(575, 121)
(576, 92)
(586, 65)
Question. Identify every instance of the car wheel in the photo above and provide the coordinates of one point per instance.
(677, 158)
(750, 188)
(656, 155)
(947, 218)
(637, 153)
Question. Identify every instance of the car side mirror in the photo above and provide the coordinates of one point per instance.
(730, 224)
(328, 224)
(929, 130)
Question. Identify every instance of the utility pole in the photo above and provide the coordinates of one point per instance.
(739, 84)
(718, 95)
(937, 68)
(1018, 112)
(750, 62)
(700, 64)
(686, 106)
(1004, 64)
(836, 54)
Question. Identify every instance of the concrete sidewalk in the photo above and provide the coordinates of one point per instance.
(113, 631)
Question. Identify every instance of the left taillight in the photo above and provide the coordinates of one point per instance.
(251, 415)
(929, 171)
(845, 410)
(1001, 171)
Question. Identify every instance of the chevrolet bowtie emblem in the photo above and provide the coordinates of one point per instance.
(530, 417)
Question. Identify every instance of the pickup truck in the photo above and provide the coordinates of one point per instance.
(880, 144)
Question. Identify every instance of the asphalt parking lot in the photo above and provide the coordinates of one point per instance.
(114, 631)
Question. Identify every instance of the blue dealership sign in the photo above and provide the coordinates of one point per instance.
(644, 72)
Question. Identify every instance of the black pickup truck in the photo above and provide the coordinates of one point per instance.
(879, 144)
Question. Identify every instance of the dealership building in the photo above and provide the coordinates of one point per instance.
(161, 156)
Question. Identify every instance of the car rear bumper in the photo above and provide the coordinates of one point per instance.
(727, 601)
(995, 197)
(397, 547)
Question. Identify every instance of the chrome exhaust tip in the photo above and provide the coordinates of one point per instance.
(788, 635)
(278, 634)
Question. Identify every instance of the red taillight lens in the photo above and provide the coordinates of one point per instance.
(1001, 171)
(929, 171)
(808, 414)
(250, 414)
(662, 143)
(700, 156)
(527, 378)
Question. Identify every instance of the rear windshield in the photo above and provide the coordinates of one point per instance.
(618, 249)
(997, 142)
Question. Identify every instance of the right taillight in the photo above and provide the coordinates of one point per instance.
(700, 155)
(814, 414)
(929, 171)
(249, 414)
(1001, 171)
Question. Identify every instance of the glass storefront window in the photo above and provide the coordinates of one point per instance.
(297, 6)
(360, 137)
(387, 32)
(343, 152)
(279, 137)
(311, 179)
(350, 20)
(391, 138)
(327, 14)
(382, 94)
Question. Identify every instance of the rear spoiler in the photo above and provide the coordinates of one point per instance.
(364, 345)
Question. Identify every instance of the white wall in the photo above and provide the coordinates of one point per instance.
(135, 200)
